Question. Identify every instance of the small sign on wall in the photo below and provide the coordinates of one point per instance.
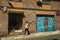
(58, 13)
(4, 9)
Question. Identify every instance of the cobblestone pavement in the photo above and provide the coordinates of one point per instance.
(35, 36)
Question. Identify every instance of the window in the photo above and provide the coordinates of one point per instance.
(16, 0)
(44, 0)
(39, 2)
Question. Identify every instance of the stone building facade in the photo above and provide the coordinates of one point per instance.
(18, 11)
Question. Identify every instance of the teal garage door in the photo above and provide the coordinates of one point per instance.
(40, 24)
(50, 23)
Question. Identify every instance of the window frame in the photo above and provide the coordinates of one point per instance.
(16, 0)
(43, 1)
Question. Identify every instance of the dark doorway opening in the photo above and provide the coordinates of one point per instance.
(15, 21)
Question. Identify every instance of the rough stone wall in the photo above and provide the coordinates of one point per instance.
(57, 22)
(3, 19)
(0, 2)
(30, 16)
(5, 3)
(29, 3)
(3, 23)
(55, 5)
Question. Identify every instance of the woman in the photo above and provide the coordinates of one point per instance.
(26, 28)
